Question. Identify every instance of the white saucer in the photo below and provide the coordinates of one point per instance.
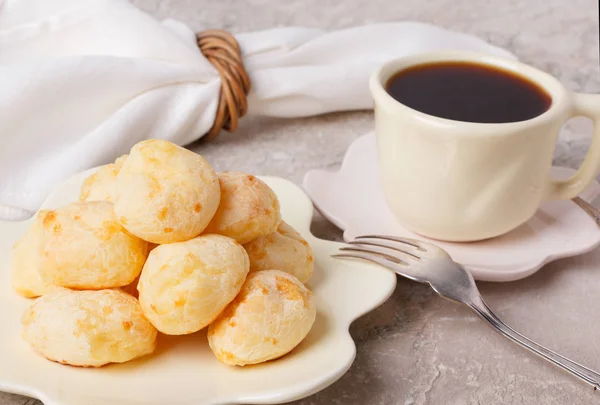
(352, 199)
(183, 371)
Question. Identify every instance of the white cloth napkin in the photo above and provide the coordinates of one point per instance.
(81, 81)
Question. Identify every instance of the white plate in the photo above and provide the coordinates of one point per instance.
(352, 199)
(183, 370)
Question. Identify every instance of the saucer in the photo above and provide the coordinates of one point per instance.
(352, 199)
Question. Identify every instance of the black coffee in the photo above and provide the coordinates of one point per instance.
(468, 92)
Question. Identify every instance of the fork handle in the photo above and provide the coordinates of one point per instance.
(583, 373)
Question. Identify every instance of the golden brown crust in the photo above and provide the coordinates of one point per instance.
(283, 249)
(165, 193)
(248, 208)
(83, 246)
(88, 328)
(184, 286)
(271, 315)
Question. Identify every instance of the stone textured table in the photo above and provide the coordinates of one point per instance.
(418, 348)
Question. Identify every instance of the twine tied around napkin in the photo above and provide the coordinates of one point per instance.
(84, 80)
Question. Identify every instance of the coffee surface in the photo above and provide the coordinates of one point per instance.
(469, 92)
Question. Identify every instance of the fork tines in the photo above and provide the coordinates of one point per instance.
(376, 247)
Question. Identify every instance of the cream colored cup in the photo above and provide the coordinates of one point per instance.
(461, 181)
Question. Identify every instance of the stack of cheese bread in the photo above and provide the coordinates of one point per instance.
(159, 242)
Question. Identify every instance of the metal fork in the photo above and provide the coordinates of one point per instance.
(588, 208)
(426, 263)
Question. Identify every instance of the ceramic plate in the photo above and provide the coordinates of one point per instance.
(183, 370)
(352, 199)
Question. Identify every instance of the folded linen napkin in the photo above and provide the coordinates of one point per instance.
(81, 81)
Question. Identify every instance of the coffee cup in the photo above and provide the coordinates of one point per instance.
(462, 180)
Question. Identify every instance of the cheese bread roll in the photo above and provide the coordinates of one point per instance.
(102, 185)
(88, 328)
(184, 286)
(83, 246)
(248, 209)
(284, 250)
(272, 314)
(25, 276)
(165, 193)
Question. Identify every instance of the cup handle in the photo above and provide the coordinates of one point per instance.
(587, 105)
